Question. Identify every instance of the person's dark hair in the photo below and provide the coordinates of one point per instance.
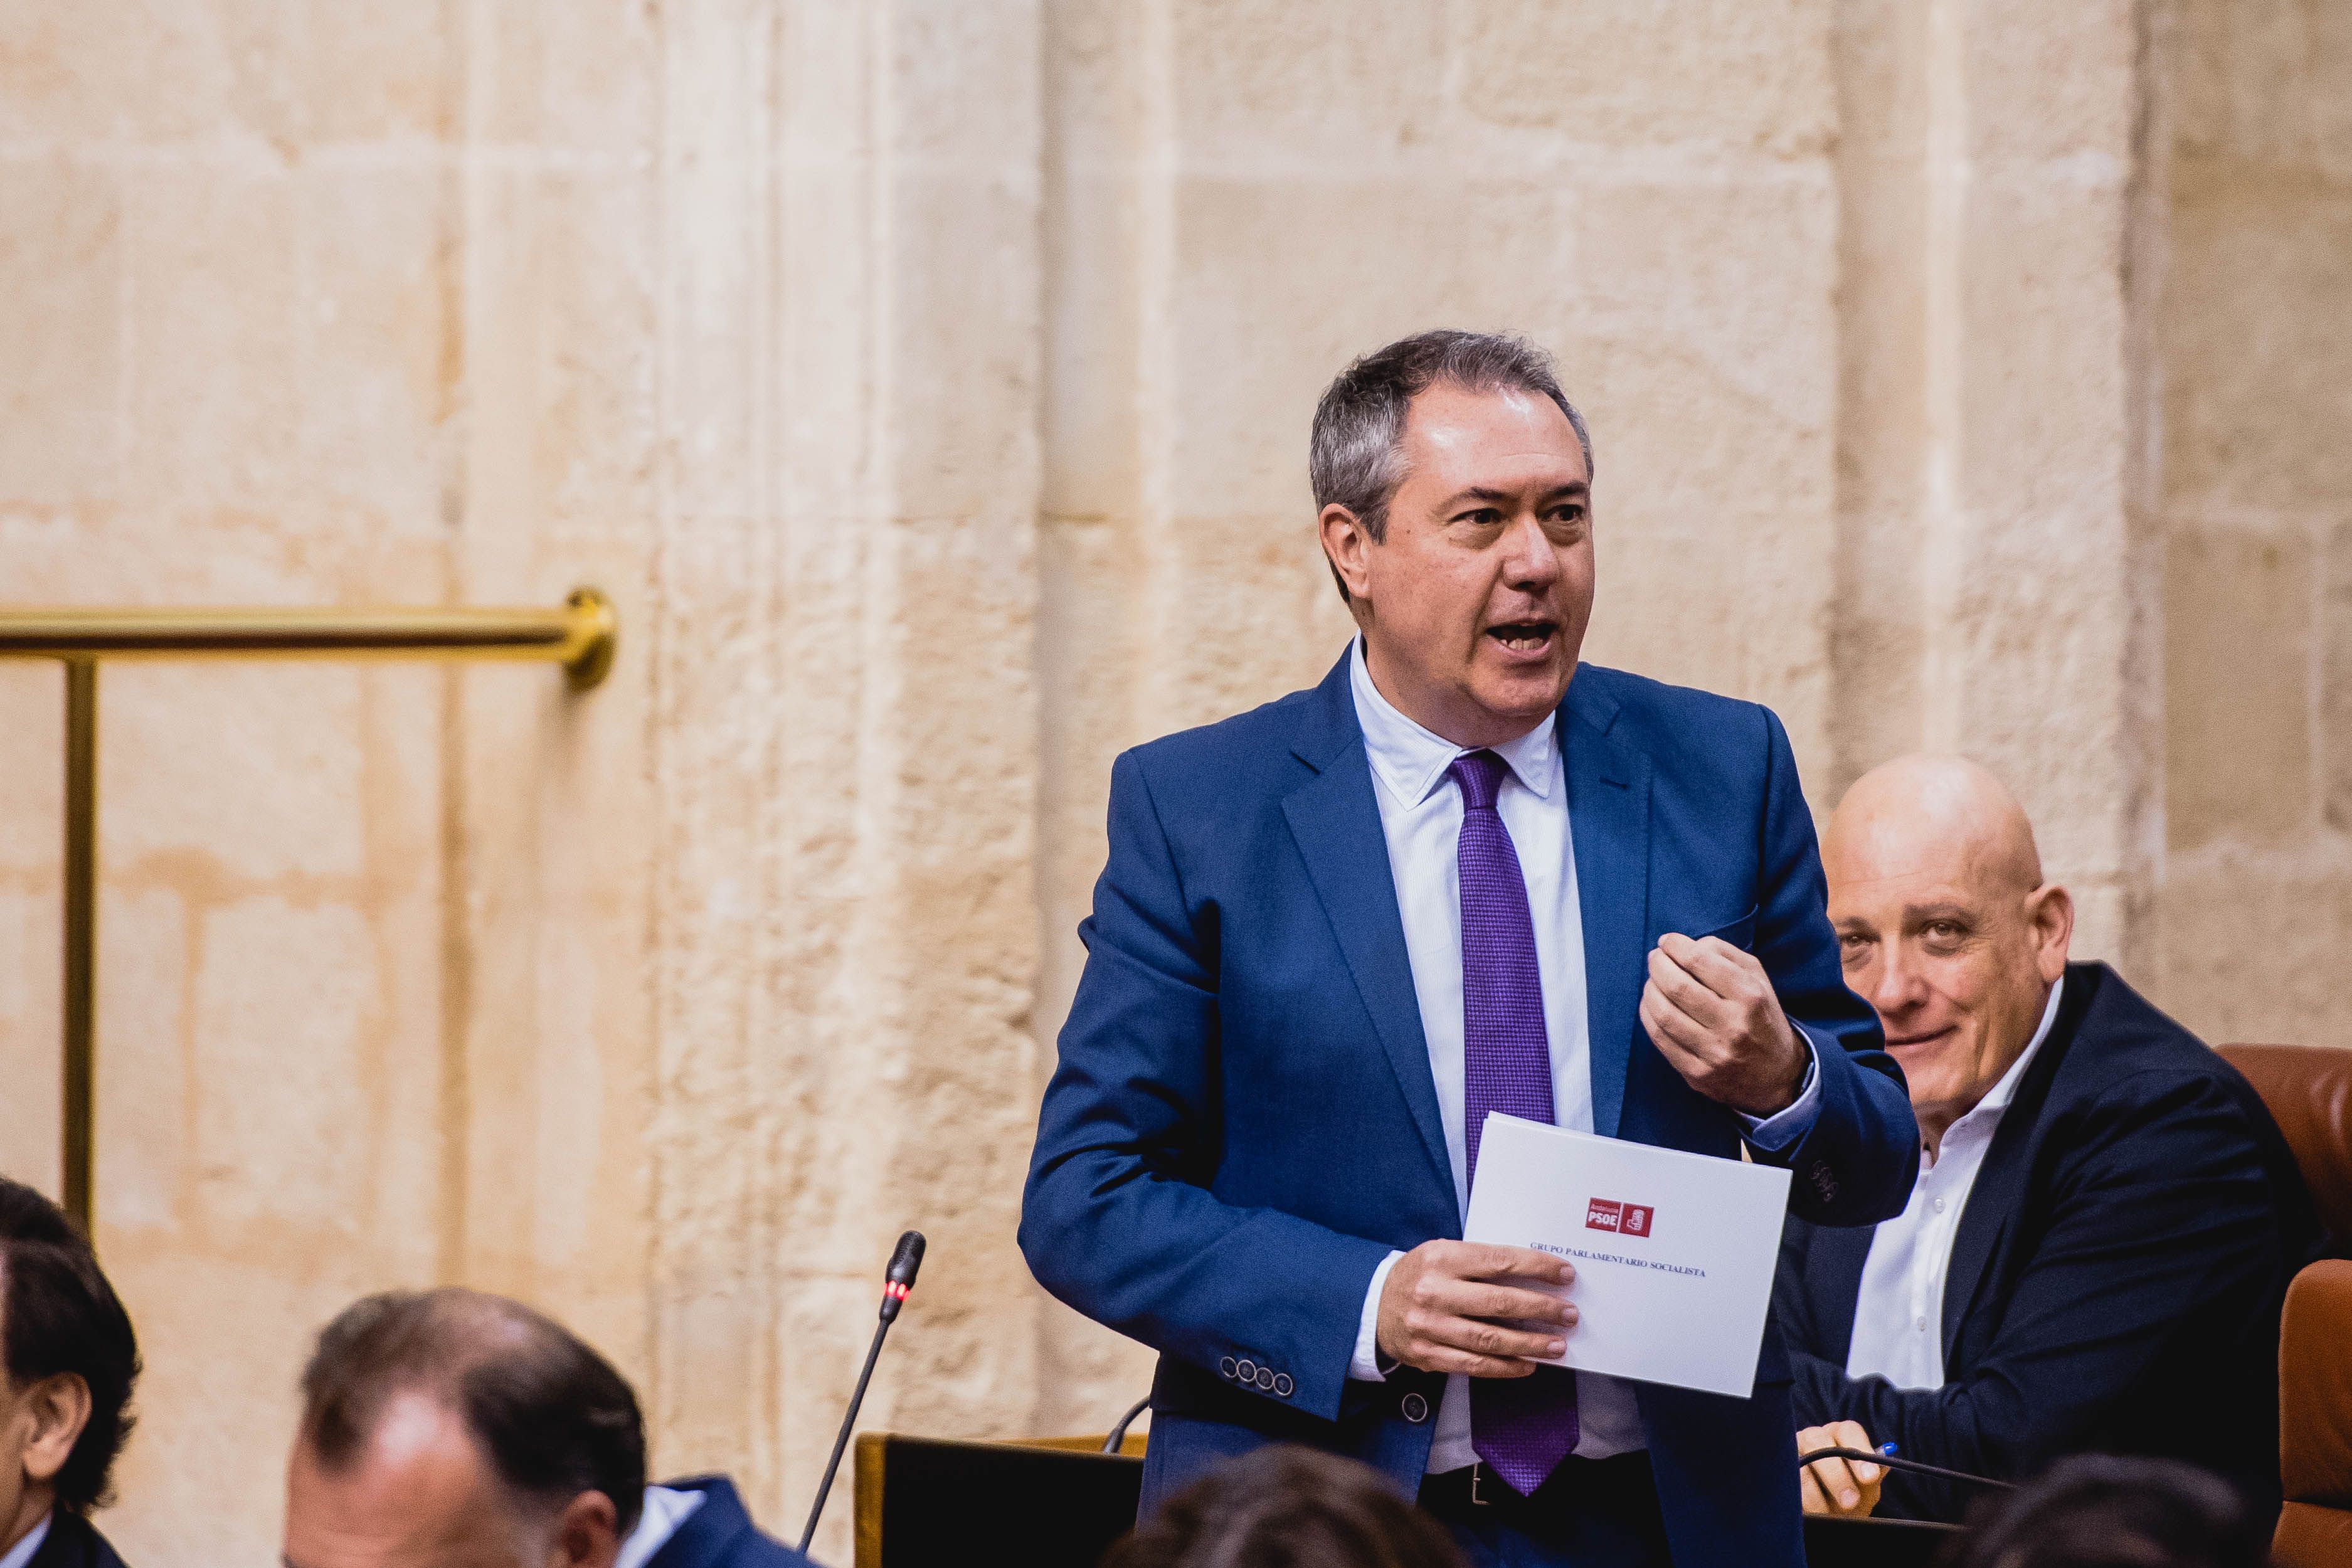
(1355, 456)
(2096, 1511)
(1287, 1508)
(552, 1416)
(61, 1316)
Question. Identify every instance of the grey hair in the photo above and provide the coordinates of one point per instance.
(1356, 455)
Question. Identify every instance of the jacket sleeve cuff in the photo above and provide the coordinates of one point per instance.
(1365, 1365)
(1784, 1129)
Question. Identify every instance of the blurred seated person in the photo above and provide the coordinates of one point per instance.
(2105, 1218)
(1288, 1507)
(71, 1360)
(2095, 1511)
(452, 1429)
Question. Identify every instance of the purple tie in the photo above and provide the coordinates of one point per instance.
(1522, 1428)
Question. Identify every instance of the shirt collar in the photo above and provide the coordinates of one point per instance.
(666, 1509)
(1411, 761)
(22, 1552)
(1997, 1100)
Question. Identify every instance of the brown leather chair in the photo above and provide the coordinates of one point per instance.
(2309, 1091)
(2315, 1529)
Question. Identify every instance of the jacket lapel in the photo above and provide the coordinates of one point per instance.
(1992, 1197)
(1609, 818)
(2000, 1185)
(1337, 824)
(1833, 1263)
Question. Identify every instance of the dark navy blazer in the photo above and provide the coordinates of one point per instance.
(720, 1534)
(74, 1543)
(2114, 1281)
(1243, 1122)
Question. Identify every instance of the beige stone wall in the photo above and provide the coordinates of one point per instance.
(1993, 596)
(929, 383)
(2257, 513)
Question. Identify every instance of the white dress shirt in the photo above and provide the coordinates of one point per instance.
(1899, 1314)
(22, 1552)
(666, 1509)
(1421, 816)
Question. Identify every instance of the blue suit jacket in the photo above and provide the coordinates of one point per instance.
(1243, 1122)
(720, 1535)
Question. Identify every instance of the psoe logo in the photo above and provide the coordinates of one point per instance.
(1625, 1219)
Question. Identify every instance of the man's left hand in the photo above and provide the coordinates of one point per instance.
(1710, 1008)
(1843, 1488)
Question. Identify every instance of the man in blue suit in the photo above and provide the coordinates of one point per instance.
(1459, 875)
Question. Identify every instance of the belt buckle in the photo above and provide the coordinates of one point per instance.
(1478, 1473)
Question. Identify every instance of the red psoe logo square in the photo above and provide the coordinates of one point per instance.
(1637, 1219)
(1603, 1215)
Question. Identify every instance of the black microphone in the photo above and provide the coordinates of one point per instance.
(899, 1279)
(897, 1284)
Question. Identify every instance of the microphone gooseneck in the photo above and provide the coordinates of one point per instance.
(1116, 1441)
(1892, 1462)
(897, 1284)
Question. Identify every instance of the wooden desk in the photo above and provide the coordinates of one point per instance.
(925, 1502)
(1875, 1542)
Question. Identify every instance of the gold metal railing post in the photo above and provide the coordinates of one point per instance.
(580, 636)
(81, 1001)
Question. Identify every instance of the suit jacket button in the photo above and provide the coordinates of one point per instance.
(1226, 1368)
(1282, 1384)
(1414, 1408)
(1265, 1378)
(1247, 1371)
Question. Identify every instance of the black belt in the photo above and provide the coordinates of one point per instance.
(1475, 1494)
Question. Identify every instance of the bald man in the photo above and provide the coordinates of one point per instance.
(2104, 1218)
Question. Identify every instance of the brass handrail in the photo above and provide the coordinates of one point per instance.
(580, 636)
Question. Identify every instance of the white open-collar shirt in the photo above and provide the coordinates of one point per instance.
(1420, 817)
(1899, 1314)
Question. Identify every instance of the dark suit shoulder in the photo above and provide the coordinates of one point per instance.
(720, 1534)
(2127, 1054)
(2133, 1084)
(1688, 732)
(1641, 698)
(74, 1543)
(1245, 742)
(2124, 1047)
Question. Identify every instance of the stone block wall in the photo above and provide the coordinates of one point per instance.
(2257, 525)
(1992, 597)
(929, 382)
